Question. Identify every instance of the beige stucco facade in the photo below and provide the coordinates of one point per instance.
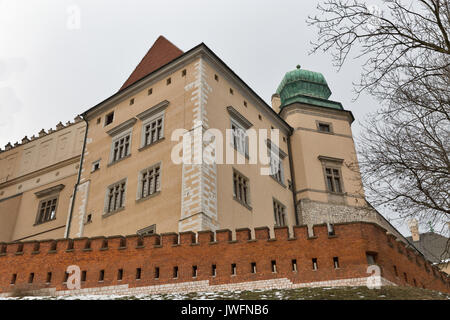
(195, 92)
(30, 169)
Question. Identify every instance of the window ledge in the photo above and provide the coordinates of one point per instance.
(341, 194)
(40, 223)
(278, 181)
(154, 194)
(117, 161)
(243, 203)
(145, 147)
(107, 214)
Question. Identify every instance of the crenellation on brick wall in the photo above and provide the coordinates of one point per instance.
(243, 234)
(223, 235)
(350, 244)
(262, 233)
(281, 233)
(188, 238)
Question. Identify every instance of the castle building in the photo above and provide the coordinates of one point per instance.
(129, 193)
(112, 172)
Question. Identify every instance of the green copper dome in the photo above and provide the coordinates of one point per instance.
(307, 87)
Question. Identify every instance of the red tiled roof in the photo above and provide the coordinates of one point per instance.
(161, 53)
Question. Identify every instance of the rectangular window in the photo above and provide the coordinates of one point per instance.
(47, 210)
(324, 127)
(175, 272)
(330, 228)
(116, 197)
(157, 273)
(314, 264)
(239, 138)
(101, 275)
(233, 269)
(121, 147)
(253, 267)
(276, 156)
(138, 273)
(49, 277)
(83, 275)
(95, 166)
(279, 213)
(241, 188)
(274, 266)
(120, 274)
(194, 271)
(371, 258)
(336, 262)
(14, 278)
(31, 278)
(153, 130)
(294, 265)
(213, 270)
(333, 179)
(150, 91)
(109, 118)
(150, 181)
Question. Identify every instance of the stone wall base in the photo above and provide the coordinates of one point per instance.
(204, 286)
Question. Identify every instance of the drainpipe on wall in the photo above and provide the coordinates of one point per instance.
(294, 188)
(80, 167)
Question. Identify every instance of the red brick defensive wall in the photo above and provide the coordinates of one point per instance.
(214, 262)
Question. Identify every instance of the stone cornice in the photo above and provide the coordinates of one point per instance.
(49, 191)
(239, 117)
(153, 110)
(122, 127)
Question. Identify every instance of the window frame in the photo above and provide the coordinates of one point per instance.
(46, 199)
(149, 121)
(332, 164)
(106, 212)
(284, 213)
(117, 137)
(274, 150)
(139, 196)
(329, 124)
(247, 203)
(242, 125)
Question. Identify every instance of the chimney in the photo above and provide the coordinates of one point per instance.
(414, 228)
(276, 102)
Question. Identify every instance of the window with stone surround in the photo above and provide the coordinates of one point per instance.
(152, 124)
(241, 191)
(121, 147)
(279, 212)
(239, 126)
(276, 156)
(47, 210)
(48, 204)
(333, 178)
(115, 197)
(332, 174)
(153, 130)
(149, 181)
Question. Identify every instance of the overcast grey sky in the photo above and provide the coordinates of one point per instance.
(51, 73)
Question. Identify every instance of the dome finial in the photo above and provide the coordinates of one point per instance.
(298, 66)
